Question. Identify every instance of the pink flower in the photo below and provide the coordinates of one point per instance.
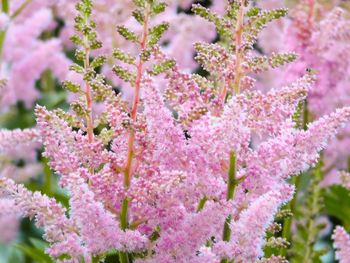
(341, 244)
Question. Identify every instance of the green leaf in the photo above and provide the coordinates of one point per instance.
(38, 243)
(158, 8)
(34, 253)
(336, 201)
(162, 67)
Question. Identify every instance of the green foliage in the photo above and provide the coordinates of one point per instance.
(281, 59)
(156, 33)
(162, 67)
(336, 204)
(124, 74)
(264, 63)
(138, 15)
(303, 242)
(79, 108)
(127, 34)
(36, 251)
(106, 135)
(223, 25)
(76, 40)
(203, 82)
(139, 3)
(298, 115)
(68, 117)
(70, 86)
(77, 68)
(101, 90)
(209, 56)
(158, 8)
(260, 19)
(98, 61)
(85, 25)
(123, 56)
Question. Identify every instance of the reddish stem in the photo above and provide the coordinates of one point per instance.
(136, 100)
(238, 40)
(311, 12)
(88, 95)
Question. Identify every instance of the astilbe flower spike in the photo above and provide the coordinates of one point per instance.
(24, 56)
(59, 230)
(320, 37)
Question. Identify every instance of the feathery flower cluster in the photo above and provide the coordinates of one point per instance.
(321, 39)
(9, 220)
(341, 244)
(24, 53)
(173, 176)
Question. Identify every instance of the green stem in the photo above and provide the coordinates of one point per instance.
(20, 9)
(305, 115)
(231, 187)
(5, 6)
(201, 203)
(232, 182)
(287, 224)
(124, 215)
(123, 256)
(6, 10)
(227, 230)
(47, 81)
(2, 42)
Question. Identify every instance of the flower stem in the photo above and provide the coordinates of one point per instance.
(88, 96)
(124, 257)
(136, 100)
(238, 44)
(201, 203)
(124, 215)
(5, 6)
(6, 10)
(231, 187)
(20, 9)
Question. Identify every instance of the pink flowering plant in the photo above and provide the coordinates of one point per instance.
(158, 164)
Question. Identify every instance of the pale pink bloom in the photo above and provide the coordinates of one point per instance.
(26, 56)
(9, 220)
(341, 244)
(249, 231)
